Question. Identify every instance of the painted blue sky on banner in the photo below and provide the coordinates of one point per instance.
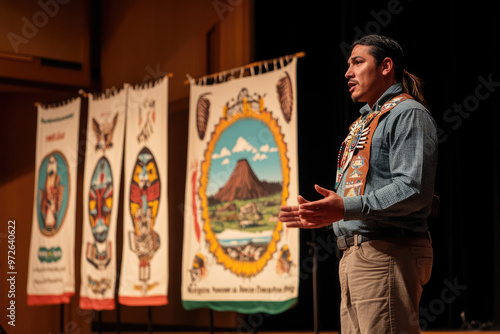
(246, 139)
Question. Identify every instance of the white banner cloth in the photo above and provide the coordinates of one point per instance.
(242, 165)
(51, 269)
(144, 272)
(101, 191)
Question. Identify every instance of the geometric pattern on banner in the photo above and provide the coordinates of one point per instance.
(144, 272)
(101, 190)
(51, 269)
(242, 165)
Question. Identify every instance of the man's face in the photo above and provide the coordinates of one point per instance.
(365, 79)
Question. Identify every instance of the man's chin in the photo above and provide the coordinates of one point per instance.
(356, 98)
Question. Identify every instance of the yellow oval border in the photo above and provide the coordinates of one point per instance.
(243, 268)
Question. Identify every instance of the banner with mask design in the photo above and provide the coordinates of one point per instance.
(101, 190)
(51, 269)
(242, 165)
(144, 272)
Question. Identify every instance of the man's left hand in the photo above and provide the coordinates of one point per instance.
(324, 211)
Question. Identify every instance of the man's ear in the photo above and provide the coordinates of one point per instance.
(387, 66)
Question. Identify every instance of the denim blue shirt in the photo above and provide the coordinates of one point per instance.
(400, 181)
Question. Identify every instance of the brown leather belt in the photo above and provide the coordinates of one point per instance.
(344, 242)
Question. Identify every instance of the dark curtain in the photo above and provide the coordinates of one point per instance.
(454, 48)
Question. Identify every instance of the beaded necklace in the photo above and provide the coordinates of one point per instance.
(356, 139)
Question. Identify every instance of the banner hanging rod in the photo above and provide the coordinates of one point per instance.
(191, 80)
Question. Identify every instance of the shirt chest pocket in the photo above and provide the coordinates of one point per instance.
(379, 153)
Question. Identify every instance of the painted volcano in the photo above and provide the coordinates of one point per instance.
(244, 184)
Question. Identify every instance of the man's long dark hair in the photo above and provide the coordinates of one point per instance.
(382, 47)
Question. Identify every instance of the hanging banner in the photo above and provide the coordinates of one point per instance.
(242, 165)
(144, 272)
(101, 189)
(51, 270)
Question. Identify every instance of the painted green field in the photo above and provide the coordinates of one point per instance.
(230, 219)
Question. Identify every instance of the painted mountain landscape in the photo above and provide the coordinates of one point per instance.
(244, 184)
(244, 190)
(244, 212)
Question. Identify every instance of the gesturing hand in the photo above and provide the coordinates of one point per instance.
(290, 215)
(314, 214)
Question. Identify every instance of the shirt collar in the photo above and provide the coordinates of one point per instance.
(390, 92)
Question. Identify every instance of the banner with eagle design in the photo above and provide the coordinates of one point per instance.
(101, 190)
(51, 269)
(241, 166)
(144, 272)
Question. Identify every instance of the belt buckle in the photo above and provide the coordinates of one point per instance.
(341, 243)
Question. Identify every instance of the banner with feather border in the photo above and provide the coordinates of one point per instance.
(242, 165)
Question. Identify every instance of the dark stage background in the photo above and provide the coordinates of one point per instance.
(454, 48)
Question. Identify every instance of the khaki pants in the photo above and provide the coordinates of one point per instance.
(381, 285)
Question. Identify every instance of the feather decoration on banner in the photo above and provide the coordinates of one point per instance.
(104, 133)
(285, 95)
(202, 114)
(148, 111)
(194, 192)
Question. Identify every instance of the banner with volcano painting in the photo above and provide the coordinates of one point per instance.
(241, 166)
(101, 191)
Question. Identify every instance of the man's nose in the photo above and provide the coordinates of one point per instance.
(349, 74)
